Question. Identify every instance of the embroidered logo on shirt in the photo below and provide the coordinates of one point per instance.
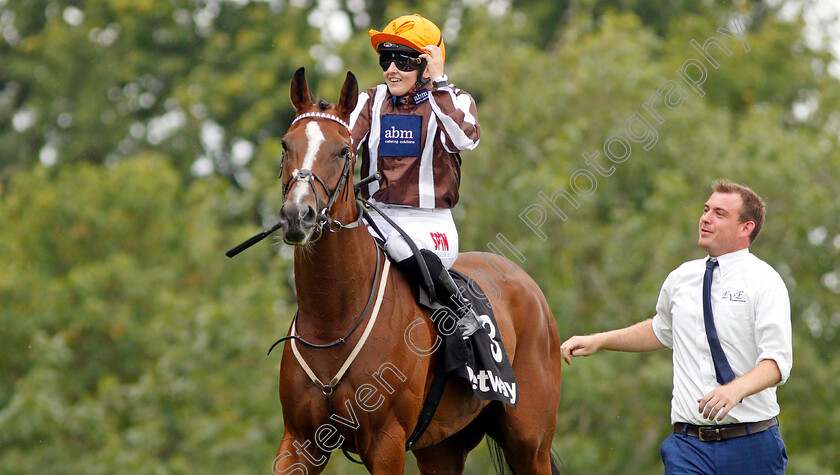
(420, 96)
(441, 243)
(400, 135)
(733, 296)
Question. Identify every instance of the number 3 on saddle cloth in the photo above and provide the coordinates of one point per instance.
(480, 359)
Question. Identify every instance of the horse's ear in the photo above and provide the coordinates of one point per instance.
(300, 92)
(349, 96)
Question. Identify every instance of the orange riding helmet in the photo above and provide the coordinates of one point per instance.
(413, 31)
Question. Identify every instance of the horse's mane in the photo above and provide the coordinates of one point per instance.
(324, 105)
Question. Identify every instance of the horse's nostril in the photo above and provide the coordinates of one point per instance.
(309, 215)
(294, 214)
(286, 213)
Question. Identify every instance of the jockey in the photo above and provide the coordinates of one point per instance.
(411, 130)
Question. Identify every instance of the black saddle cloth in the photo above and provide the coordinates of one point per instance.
(480, 359)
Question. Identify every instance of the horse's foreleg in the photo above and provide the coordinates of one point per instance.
(450, 455)
(387, 464)
(441, 459)
(385, 454)
(297, 456)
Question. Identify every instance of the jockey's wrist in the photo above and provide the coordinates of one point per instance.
(441, 81)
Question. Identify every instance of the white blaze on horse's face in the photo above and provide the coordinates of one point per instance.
(314, 138)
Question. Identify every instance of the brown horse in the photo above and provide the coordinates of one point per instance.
(371, 406)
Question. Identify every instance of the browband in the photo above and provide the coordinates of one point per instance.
(321, 115)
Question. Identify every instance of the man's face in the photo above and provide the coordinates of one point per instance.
(399, 82)
(720, 229)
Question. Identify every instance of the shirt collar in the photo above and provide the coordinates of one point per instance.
(412, 97)
(727, 261)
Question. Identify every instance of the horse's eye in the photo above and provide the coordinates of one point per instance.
(283, 143)
(345, 152)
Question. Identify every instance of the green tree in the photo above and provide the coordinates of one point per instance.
(139, 140)
(132, 345)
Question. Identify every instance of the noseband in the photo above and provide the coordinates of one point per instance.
(306, 175)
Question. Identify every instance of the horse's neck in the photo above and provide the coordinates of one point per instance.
(333, 278)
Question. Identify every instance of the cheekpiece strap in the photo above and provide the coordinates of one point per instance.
(321, 115)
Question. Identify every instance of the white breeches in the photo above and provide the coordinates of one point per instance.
(432, 229)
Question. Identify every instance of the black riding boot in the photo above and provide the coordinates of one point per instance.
(446, 291)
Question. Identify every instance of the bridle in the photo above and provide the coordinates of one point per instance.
(323, 219)
(333, 226)
(306, 175)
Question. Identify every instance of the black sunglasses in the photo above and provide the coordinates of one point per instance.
(403, 62)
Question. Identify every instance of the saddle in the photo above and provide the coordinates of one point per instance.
(479, 359)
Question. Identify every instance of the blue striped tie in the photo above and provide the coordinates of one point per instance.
(723, 372)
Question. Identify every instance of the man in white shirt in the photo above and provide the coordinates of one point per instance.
(731, 346)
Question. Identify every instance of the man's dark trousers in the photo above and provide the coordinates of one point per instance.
(762, 453)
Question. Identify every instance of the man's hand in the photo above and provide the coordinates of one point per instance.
(635, 338)
(578, 346)
(434, 61)
(722, 399)
(719, 401)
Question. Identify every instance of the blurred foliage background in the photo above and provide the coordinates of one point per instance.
(139, 139)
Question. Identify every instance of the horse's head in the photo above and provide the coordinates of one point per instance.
(318, 159)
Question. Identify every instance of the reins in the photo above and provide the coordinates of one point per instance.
(293, 336)
(327, 389)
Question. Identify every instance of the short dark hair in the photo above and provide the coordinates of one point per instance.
(752, 206)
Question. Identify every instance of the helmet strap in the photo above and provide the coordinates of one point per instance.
(408, 98)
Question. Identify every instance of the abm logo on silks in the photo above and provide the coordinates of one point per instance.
(399, 135)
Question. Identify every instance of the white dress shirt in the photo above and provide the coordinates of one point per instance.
(751, 311)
